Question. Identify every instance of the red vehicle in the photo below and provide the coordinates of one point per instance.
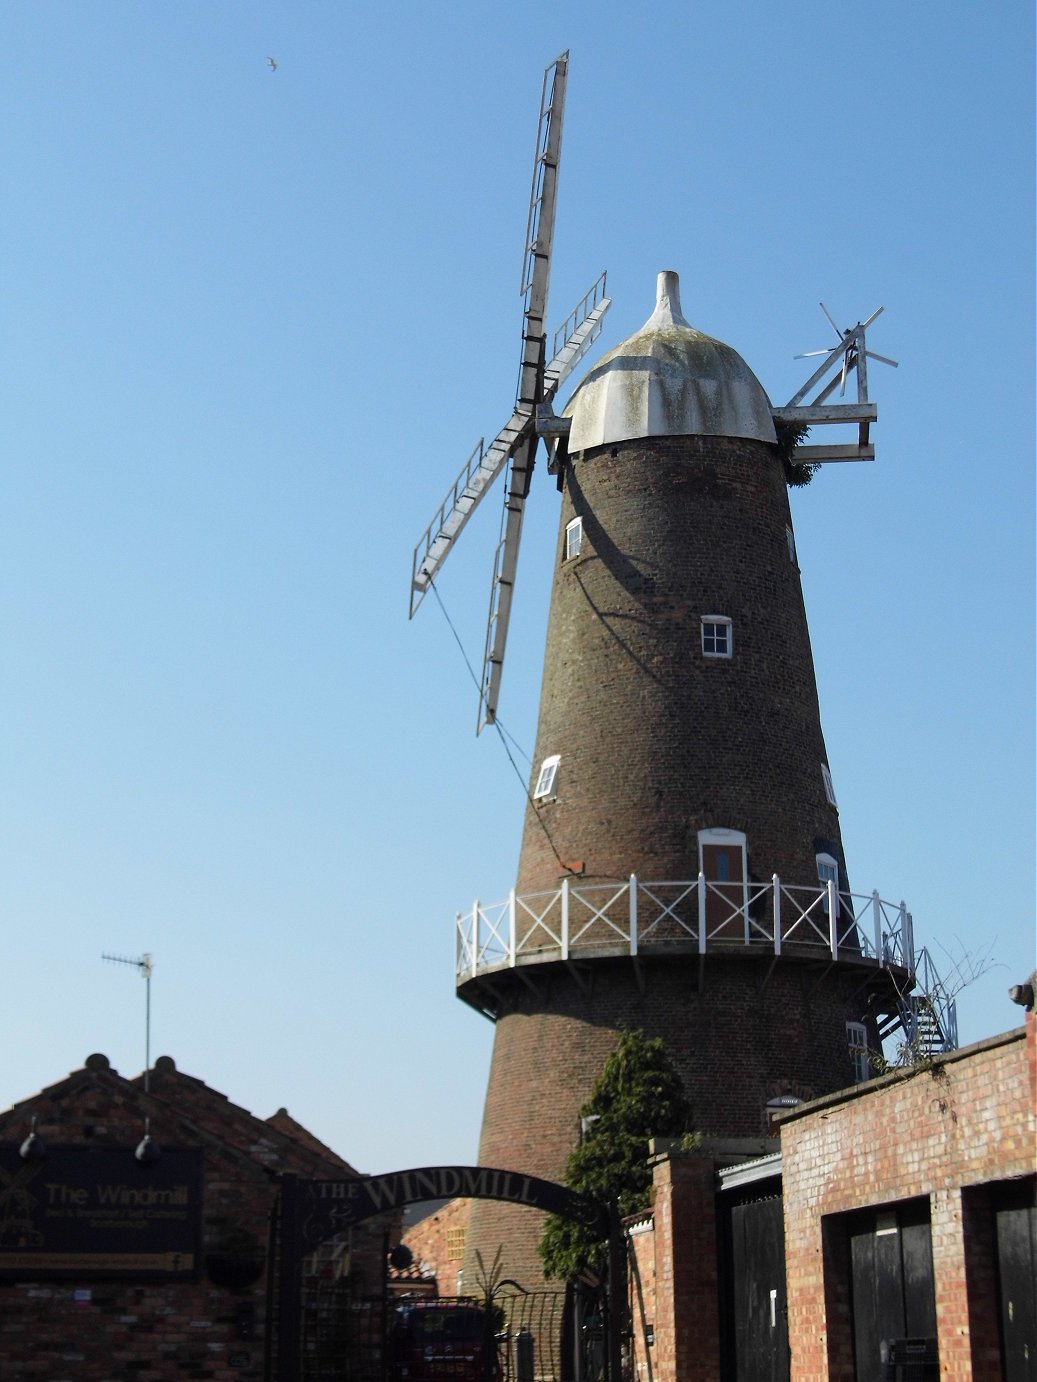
(444, 1341)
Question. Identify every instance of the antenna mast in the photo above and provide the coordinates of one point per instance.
(144, 965)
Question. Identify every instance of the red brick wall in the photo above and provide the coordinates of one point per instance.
(941, 1133)
(434, 1243)
(164, 1331)
(643, 1299)
(736, 1041)
(687, 1308)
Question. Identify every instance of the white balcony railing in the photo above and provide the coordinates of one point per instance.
(586, 920)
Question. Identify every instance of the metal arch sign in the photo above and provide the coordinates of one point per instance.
(312, 1211)
(327, 1207)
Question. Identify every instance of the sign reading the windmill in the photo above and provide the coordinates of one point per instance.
(332, 1206)
(87, 1212)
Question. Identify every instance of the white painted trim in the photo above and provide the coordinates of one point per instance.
(826, 778)
(546, 777)
(857, 1041)
(736, 839)
(722, 621)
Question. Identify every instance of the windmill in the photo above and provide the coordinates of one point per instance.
(681, 868)
(513, 450)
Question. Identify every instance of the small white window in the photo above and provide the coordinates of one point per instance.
(790, 538)
(546, 779)
(827, 872)
(573, 538)
(717, 639)
(857, 1040)
(826, 778)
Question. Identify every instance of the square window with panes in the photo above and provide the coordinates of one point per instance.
(717, 640)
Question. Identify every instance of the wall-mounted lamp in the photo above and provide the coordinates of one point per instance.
(33, 1148)
(586, 1123)
(148, 1151)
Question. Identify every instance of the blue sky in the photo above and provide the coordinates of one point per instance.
(253, 321)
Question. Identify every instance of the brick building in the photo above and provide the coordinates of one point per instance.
(116, 1266)
(901, 1209)
(948, 1156)
(437, 1243)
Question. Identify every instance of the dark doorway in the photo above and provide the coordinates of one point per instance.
(761, 1339)
(892, 1290)
(1015, 1218)
(754, 1302)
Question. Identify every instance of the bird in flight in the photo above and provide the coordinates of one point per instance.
(271, 64)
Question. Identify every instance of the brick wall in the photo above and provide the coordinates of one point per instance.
(656, 740)
(437, 1242)
(122, 1330)
(642, 1294)
(687, 1308)
(945, 1134)
(737, 1036)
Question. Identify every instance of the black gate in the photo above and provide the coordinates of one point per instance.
(318, 1332)
(511, 1337)
(343, 1336)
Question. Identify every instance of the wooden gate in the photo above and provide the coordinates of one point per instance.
(892, 1289)
(754, 1299)
(1015, 1219)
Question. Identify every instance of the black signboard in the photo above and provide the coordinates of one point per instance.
(97, 1212)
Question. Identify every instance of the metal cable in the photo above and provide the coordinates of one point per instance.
(504, 736)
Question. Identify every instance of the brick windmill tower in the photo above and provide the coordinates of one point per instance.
(682, 868)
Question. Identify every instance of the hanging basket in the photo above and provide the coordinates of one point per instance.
(234, 1269)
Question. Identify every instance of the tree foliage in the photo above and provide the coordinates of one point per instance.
(790, 435)
(638, 1095)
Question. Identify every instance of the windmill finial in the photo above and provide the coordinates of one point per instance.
(668, 301)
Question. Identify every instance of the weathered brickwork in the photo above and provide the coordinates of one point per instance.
(737, 1040)
(658, 742)
(437, 1243)
(946, 1134)
(687, 1300)
(187, 1329)
(642, 1295)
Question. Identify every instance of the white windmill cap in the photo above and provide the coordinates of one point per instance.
(668, 380)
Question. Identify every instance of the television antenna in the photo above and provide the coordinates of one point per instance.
(144, 965)
(514, 447)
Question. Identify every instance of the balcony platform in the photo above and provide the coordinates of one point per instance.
(582, 923)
